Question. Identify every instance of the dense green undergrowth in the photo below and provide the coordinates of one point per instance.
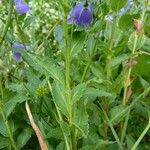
(86, 84)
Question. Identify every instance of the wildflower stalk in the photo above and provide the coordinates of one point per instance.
(13, 144)
(67, 64)
(68, 89)
(127, 80)
(8, 21)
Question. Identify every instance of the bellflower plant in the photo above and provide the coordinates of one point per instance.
(21, 6)
(83, 81)
(17, 55)
(81, 15)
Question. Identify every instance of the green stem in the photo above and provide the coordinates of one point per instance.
(73, 138)
(68, 89)
(67, 64)
(8, 21)
(112, 129)
(141, 137)
(85, 70)
(127, 81)
(108, 61)
(90, 56)
(108, 70)
(125, 126)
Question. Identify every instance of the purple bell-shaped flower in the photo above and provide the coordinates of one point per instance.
(81, 15)
(21, 7)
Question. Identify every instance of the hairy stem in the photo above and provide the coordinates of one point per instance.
(68, 88)
(127, 80)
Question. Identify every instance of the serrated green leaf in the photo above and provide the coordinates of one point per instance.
(28, 21)
(103, 46)
(78, 43)
(78, 92)
(59, 35)
(3, 129)
(119, 59)
(10, 105)
(4, 142)
(17, 87)
(80, 119)
(119, 82)
(44, 65)
(93, 93)
(59, 97)
(91, 44)
(23, 137)
(143, 66)
(55, 133)
(50, 67)
(97, 70)
(114, 112)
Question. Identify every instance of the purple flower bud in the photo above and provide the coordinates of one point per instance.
(126, 8)
(17, 55)
(81, 15)
(21, 6)
(121, 12)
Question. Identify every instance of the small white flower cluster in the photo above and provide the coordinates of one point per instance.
(46, 15)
